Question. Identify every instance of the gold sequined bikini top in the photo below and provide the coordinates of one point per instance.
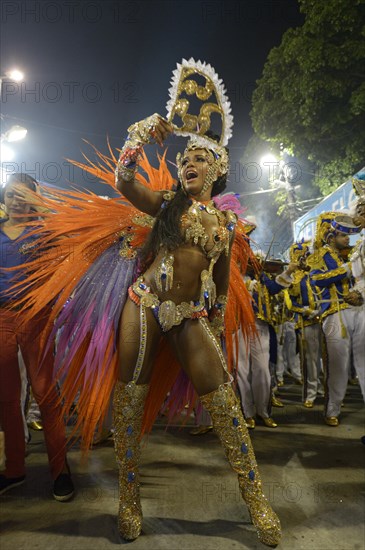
(195, 233)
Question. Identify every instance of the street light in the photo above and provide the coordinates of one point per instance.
(7, 154)
(13, 74)
(15, 133)
(269, 158)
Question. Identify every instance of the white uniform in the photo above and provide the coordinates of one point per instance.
(253, 376)
(358, 270)
(343, 326)
(311, 365)
(288, 359)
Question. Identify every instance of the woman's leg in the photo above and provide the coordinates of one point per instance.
(199, 354)
(139, 335)
(201, 357)
(11, 419)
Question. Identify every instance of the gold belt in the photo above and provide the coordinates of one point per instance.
(167, 313)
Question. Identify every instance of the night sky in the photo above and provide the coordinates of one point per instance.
(94, 67)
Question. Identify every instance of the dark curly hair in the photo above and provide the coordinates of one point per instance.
(166, 230)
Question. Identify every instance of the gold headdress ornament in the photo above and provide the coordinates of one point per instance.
(331, 223)
(358, 184)
(323, 228)
(299, 249)
(213, 98)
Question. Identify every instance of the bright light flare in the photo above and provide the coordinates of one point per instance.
(15, 75)
(6, 154)
(4, 175)
(268, 159)
(16, 133)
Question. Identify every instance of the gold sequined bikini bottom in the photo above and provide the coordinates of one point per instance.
(167, 313)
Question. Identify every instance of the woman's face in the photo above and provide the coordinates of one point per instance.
(195, 164)
(14, 200)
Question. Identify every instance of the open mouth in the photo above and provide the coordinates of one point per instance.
(191, 175)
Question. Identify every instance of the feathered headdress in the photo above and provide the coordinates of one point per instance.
(212, 98)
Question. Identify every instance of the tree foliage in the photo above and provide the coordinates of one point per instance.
(311, 96)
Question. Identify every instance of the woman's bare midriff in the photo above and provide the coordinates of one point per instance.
(189, 262)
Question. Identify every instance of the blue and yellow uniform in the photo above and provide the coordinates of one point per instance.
(332, 281)
(300, 299)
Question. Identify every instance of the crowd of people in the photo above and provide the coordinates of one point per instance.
(211, 326)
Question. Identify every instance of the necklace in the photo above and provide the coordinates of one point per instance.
(208, 205)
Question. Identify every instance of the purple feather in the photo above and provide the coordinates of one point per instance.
(94, 308)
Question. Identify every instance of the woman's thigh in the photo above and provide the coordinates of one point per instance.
(137, 348)
(199, 354)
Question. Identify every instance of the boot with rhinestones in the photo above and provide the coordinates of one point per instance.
(231, 429)
(128, 407)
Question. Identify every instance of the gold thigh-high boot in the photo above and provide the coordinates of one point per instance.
(128, 408)
(231, 429)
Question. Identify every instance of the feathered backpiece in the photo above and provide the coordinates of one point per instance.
(86, 260)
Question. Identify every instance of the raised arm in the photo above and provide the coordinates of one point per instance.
(150, 130)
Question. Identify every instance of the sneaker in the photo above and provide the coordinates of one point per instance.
(7, 483)
(63, 488)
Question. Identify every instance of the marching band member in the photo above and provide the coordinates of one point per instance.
(339, 303)
(300, 299)
(254, 378)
